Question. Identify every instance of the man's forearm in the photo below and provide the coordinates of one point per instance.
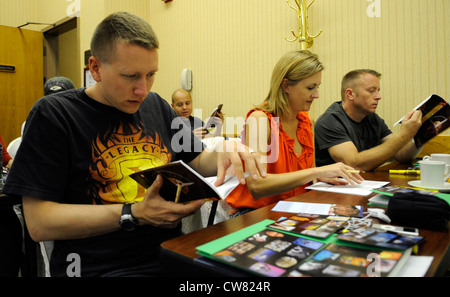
(371, 158)
(205, 163)
(375, 157)
(47, 220)
(408, 153)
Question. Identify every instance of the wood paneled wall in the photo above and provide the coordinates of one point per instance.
(22, 49)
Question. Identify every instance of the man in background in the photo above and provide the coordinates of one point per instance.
(57, 84)
(351, 132)
(183, 106)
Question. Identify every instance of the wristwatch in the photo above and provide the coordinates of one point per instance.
(127, 221)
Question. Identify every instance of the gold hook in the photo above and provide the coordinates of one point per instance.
(305, 39)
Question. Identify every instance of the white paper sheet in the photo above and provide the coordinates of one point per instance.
(303, 207)
(362, 189)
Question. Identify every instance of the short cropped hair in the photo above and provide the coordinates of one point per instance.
(294, 66)
(123, 27)
(348, 81)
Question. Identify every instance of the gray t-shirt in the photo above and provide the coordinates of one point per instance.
(335, 127)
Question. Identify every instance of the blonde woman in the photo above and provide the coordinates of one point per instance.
(280, 130)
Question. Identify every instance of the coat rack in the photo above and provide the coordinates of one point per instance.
(304, 38)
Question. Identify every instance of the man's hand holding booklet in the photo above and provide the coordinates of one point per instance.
(183, 184)
(435, 119)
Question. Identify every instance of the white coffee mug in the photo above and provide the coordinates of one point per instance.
(433, 174)
(438, 157)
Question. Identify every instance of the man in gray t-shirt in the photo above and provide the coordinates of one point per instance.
(351, 132)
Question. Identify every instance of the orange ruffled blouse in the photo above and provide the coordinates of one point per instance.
(287, 161)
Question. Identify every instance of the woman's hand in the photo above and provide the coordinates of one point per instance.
(339, 174)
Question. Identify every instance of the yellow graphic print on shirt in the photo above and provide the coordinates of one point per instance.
(118, 154)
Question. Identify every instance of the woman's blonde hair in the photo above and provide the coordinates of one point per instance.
(294, 66)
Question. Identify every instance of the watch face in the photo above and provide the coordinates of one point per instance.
(127, 225)
(127, 222)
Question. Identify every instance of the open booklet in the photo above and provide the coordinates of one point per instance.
(183, 184)
(266, 252)
(435, 118)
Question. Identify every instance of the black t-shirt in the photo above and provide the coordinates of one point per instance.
(194, 123)
(335, 127)
(76, 150)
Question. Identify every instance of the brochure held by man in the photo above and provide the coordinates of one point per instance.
(183, 184)
(435, 118)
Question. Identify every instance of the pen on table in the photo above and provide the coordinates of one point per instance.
(177, 197)
(420, 189)
(409, 172)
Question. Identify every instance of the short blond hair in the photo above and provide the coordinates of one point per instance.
(348, 81)
(121, 27)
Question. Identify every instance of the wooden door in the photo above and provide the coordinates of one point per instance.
(21, 88)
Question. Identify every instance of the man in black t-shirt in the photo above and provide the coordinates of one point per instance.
(351, 132)
(80, 146)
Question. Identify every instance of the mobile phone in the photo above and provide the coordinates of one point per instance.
(397, 229)
(216, 110)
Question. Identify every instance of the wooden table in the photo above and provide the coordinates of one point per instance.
(182, 250)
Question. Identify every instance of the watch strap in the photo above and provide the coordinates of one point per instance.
(126, 209)
(127, 221)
